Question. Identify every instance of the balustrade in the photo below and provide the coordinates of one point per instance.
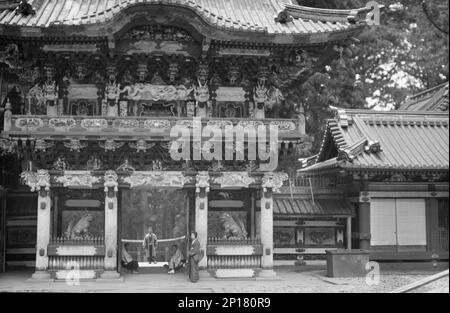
(56, 263)
(234, 253)
(234, 261)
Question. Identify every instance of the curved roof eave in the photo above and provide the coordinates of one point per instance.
(262, 29)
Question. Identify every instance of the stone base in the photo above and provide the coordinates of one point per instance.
(40, 276)
(267, 274)
(109, 276)
(235, 273)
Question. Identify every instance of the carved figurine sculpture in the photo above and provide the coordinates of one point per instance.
(233, 228)
(260, 96)
(50, 91)
(112, 93)
(201, 95)
(80, 229)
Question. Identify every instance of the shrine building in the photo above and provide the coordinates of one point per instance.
(91, 92)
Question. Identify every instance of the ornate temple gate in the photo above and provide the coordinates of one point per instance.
(59, 253)
(102, 93)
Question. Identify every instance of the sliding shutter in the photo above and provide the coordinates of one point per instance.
(411, 222)
(382, 222)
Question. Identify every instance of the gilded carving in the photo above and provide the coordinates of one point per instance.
(234, 179)
(36, 180)
(202, 181)
(77, 179)
(110, 145)
(273, 181)
(157, 179)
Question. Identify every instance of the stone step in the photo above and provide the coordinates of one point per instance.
(234, 273)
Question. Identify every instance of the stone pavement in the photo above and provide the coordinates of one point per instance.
(290, 279)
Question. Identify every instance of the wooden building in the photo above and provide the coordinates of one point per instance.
(91, 91)
(393, 168)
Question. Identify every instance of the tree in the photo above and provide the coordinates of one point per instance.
(406, 53)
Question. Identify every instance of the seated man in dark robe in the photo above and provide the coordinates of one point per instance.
(127, 260)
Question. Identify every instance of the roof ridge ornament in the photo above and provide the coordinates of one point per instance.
(283, 16)
(345, 155)
(341, 116)
(25, 8)
(373, 146)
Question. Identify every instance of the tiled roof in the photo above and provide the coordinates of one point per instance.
(433, 99)
(8, 4)
(308, 207)
(235, 15)
(394, 140)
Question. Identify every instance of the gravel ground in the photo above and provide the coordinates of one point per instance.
(289, 280)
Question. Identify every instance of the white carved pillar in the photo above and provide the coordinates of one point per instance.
(111, 189)
(7, 118)
(271, 182)
(201, 213)
(40, 182)
(267, 229)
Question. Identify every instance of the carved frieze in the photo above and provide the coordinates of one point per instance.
(61, 122)
(75, 145)
(152, 92)
(42, 145)
(94, 123)
(126, 123)
(157, 179)
(28, 123)
(219, 123)
(284, 125)
(162, 124)
(7, 146)
(273, 181)
(36, 180)
(77, 179)
(234, 179)
(110, 145)
(141, 145)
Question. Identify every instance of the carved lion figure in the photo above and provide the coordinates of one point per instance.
(79, 229)
(233, 228)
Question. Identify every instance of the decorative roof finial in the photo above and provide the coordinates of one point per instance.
(283, 17)
(25, 8)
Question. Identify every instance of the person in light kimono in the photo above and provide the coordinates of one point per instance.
(149, 245)
(175, 262)
(195, 255)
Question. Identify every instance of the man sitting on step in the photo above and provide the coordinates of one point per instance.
(127, 260)
(175, 262)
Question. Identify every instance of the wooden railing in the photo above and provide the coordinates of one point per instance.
(98, 240)
(136, 251)
(76, 262)
(234, 253)
(233, 241)
(234, 261)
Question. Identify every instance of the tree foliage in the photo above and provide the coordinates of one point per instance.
(406, 53)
